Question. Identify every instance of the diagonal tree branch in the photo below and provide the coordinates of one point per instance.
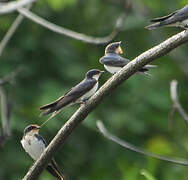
(67, 32)
(11, 31)
(176, 104)
(131, 147)
(115, 81)
(13, 6)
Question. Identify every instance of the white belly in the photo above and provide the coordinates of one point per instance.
(33, 147)
(90, 93)
(185, 22)
(180, 24)
(112, 70)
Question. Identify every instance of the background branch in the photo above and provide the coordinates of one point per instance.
(67, 32)
(131, 147)
(176, 106)
(12, 6)
(10, 77)
(4, 117)
(115, 81)
(11, 31)
(6, 106)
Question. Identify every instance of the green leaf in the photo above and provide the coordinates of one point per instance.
(147, 174)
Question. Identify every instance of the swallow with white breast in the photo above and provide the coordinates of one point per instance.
(78, 94)
(178, 18)
(34, 145)
(113, 62)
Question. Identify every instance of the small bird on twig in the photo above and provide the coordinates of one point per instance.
(113, 62)
(178, 18)
(78, 94)
(34, 145)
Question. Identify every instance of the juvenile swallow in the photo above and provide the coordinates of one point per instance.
(178, 18)
(78, 94)
(113, 62)
(34, 145)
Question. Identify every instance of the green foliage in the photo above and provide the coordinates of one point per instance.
(147, 174)
(137, 111)
(59, 4)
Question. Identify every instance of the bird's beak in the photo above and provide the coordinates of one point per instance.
(119, 50)
(102, 72)
(38, 127)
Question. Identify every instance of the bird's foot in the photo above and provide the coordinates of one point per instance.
(83, 102)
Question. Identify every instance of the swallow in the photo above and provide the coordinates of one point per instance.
(113, 62)
(77, 95)
(178, 18)
(34, 145)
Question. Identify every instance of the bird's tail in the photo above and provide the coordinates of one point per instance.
(53, 169)
(47, 109)
(144, 70)
(153, 26)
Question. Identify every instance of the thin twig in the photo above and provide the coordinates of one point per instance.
(13, 6)
(176, 106)
(131, 147)
(67, 32)
(11, 31)
(114, 82)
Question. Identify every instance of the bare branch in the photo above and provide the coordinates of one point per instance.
(175, 100)
(75, 35)
(4, 117)
(114, 82)
(11, 31)
(10, 77)
(5, 106)
(13, 6)
(131, 147)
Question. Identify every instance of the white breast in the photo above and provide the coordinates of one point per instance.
(90, 93)
(33, 146)
(111, 69)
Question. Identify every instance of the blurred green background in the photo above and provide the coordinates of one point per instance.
(137, 111)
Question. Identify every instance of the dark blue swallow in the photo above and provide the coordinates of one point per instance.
(178, 18)
(113, 62)
(78, 94)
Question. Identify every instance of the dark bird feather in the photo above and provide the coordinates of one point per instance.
(170, 19)
(53, 169)
(70, 97)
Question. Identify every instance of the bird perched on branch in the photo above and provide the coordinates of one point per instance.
(78, 94)
(178, 18)
(113, 62)
(34, 145)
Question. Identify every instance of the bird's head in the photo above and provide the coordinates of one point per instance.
(31, 129)
(94, 73)
(114, 47)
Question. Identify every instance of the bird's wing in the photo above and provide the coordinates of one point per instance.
(114, 60)
(76, 92)
(176, 16)
(71, 96)
(40, 138)
(54, 170)
(181, 14)
(159, 19)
